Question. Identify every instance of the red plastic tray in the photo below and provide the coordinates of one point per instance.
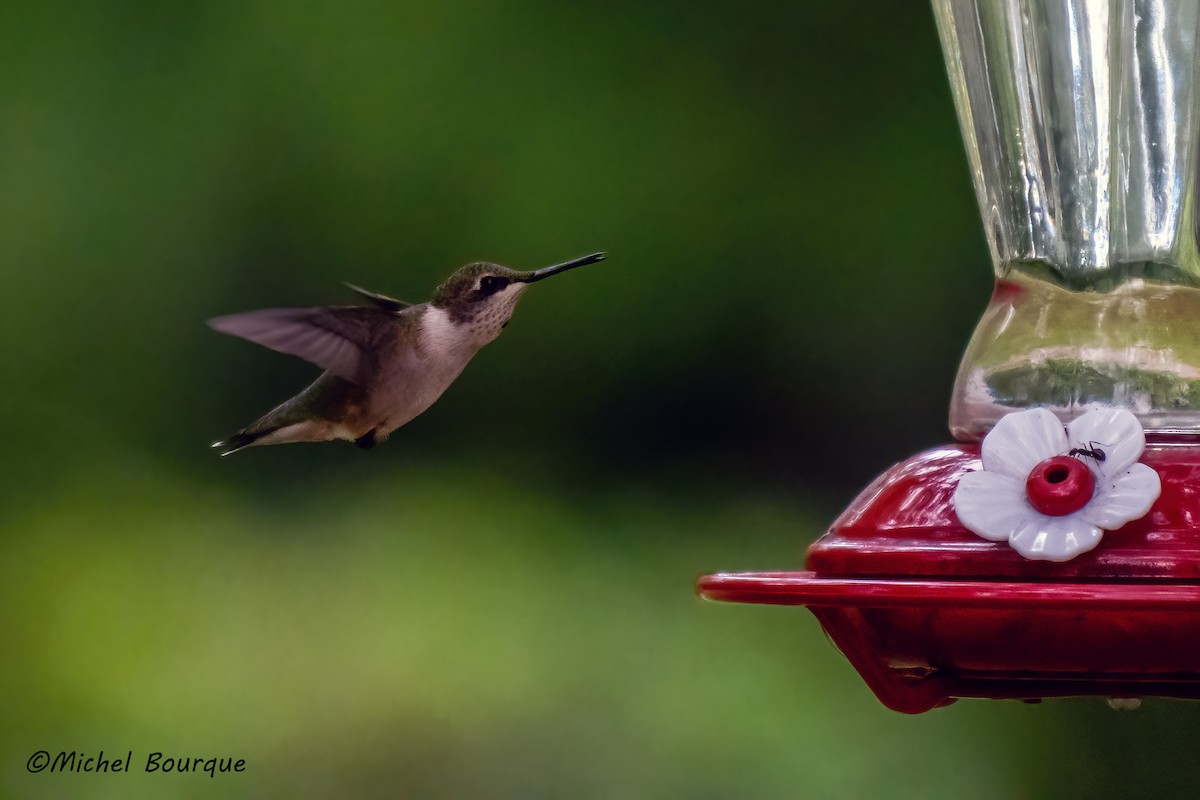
(928, 612)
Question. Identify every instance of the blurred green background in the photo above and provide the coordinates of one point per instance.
(498, 602)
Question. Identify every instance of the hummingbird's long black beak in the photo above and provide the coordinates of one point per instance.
(546, 272)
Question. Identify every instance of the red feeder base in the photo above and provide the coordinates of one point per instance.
(928, 612)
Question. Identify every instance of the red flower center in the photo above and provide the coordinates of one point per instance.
(1060, 485)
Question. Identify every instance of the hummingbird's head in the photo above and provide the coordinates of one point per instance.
(483, 296)
(478, 288)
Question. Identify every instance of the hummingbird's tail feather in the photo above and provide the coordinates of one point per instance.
(287, 423)
(238, 441)
(298, 419)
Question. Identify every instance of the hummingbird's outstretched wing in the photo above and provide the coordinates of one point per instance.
(381, 300)
(336, 338)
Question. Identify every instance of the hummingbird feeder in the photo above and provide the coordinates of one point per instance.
(1054, 548)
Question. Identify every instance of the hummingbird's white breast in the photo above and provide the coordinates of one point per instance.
(442, 339)
(420, 371)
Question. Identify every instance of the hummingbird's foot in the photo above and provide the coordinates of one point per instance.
(367, 440)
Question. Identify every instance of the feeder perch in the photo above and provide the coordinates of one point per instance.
(1054, 548)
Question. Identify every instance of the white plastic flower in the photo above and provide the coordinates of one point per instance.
(1050, 494)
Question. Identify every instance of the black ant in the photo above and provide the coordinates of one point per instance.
(1091, 451)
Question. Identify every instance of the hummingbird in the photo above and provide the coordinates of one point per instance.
(385, 362)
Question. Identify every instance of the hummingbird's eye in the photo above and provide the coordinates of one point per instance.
(490, 284)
